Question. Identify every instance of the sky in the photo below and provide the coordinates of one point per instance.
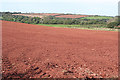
(88, 7)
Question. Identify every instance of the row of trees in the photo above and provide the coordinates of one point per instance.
(53, 20)
(22, 19)
(48, 20)
(115, 23)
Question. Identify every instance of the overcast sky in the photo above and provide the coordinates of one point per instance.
(90, 7)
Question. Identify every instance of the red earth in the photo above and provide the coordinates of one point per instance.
(30, 15)
(41, 15)
(71, 16)
(46, 14)
(33, 51)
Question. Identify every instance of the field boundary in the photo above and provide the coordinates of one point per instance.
(61, 26)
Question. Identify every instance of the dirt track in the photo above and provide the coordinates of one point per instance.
(33, 51)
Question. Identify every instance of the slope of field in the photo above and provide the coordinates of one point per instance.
(71, 16)
(30, 15)
(41, 15)
(34, 51)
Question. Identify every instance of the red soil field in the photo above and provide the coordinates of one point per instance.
(71, 16)
(38, 14)
(49, 14)
(29, 15)
(34, 51)
(41, 15)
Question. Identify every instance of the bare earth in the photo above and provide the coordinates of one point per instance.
(33, 51)
(41, 15)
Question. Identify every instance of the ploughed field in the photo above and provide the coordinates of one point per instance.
(34, 51)
(71, 16)
(58, 15)
(41, 15)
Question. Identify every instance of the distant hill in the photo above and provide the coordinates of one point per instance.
(61, 15)
(58, 15)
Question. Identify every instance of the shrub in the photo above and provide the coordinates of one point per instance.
(112, 24)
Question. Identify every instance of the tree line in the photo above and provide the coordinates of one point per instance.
(53, 20)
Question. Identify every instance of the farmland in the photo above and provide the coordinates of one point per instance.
(91, 27)
(60, 15)
(66, 20)
(71, 16)
(37, 51)
(97, 17)
(41, 15)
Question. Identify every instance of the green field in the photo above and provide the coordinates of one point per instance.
(76, 26)
(98, 17)
(90, 27)
(0, 18)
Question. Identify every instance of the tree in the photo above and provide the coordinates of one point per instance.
(112, 24)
